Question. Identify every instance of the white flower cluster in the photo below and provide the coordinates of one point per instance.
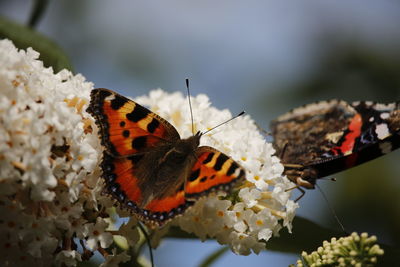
(51, 200)
(262, 205)
(48, 164)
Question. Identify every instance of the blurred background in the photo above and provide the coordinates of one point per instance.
(264, 57)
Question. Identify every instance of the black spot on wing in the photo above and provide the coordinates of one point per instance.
(220, 161)
(126, 133)
(194, 175)
(122, 124)
(209, 158)
(118, 102)
(232, 168)
(101, 93)
(139, 142)
(137, 113)
(182, 187)
(203, 179)
(153, 125)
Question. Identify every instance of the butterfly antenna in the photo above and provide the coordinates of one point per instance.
(330, 207)
(146, 235)
(261, 129)
(222, 123)
(190, 103)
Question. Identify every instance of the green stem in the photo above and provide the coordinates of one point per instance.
(146, 235)
(39, 8)
(214, 257)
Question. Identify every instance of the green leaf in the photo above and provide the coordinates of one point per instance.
(214, 257)
(23, 37)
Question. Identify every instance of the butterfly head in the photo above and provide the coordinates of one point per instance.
(183, 150)
(191, 143)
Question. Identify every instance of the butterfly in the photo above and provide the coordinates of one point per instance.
(323, 138)
(148, 168)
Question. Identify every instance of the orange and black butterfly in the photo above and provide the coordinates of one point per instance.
(148, 168)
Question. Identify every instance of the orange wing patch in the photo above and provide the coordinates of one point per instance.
(347, 145)
(213, 171)
(167, 204)
(120, 177)
(126, 127)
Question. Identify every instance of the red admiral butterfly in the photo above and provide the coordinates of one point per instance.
(327, 137)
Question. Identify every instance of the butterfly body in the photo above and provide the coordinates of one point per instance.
(148, 168)
(163, 170)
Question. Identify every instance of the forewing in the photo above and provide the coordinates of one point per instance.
(127, 128)
(375, 132)
(213, 171)
(308, 134)
(380, 122)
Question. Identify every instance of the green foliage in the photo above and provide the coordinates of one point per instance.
(23, 37)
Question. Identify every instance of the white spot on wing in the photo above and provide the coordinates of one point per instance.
(369, 103)
(382, 131)
(382, 107)
(385, 147)
(237, 172)
(110, 97)
(371, 119)
(385, 115)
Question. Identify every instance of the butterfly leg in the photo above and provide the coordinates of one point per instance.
(282, 154)
(298, 188)
(302, 193)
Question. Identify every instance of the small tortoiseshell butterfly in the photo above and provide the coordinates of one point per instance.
(148, 168)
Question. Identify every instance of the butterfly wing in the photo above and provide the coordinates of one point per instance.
(122, 182)
(379, 123)
(331, 136)
(308, 134)
(127, 128)
(213, 171)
